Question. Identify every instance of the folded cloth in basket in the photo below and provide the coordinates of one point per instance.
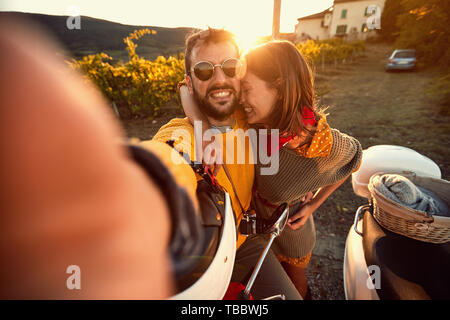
(401, 190)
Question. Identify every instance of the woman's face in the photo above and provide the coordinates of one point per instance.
(258, 99)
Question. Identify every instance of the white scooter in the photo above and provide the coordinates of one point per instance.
(379, 264)
(211, 270)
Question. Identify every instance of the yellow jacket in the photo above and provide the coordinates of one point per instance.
(241, 169)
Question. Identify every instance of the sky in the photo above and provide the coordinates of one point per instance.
(247, 18)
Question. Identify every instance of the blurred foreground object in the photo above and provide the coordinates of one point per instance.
(69, 192)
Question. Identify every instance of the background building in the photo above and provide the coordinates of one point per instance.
(315, 26)
(349, 19)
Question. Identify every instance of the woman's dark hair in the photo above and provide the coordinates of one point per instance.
(282, 66)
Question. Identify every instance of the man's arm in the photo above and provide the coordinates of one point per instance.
(69, 192)
(181, 132)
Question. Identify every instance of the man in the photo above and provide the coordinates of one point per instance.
(82, 218)
(217, 91)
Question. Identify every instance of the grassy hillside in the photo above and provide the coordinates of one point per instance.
(98, 35)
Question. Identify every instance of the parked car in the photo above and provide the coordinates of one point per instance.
(402, 59)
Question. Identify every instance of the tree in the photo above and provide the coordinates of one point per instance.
(389, 29)
(423, 26)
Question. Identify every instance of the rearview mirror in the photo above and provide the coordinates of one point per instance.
(276, 223)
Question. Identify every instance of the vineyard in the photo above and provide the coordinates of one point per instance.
(139, 87)
(329, 51)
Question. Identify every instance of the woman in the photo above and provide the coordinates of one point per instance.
(278, 93)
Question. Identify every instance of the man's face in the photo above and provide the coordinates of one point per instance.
(218, 96)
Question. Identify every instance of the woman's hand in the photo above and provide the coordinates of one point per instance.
(311, 205)
(300, 218)
(191, 108)
(302, 215)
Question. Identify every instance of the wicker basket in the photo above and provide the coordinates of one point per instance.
(409, 222)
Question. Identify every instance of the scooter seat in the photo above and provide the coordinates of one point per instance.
(409, 269)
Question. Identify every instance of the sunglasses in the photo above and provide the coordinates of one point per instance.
(204, 70)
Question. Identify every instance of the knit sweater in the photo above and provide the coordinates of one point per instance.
(296, 177)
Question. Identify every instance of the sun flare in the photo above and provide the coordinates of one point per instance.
(246, 41)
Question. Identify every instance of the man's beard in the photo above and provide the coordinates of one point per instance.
(216, 113)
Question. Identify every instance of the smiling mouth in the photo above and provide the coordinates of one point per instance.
(221, 94)
(248, 109)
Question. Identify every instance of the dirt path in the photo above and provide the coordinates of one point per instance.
(375, 107)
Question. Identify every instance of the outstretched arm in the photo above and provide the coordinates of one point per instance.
(69, 193)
